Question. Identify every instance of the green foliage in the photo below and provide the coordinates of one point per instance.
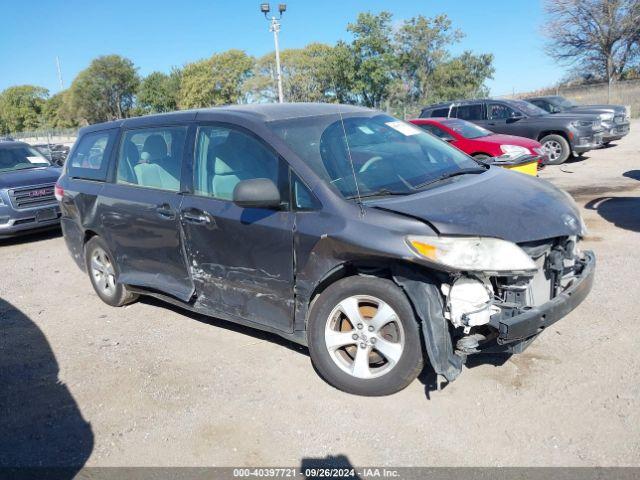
(461, 77)
(21, 107)
(374, 61)
(105, 90)
(159, 92)
(216, 81)
(308, 75)
(57, 111)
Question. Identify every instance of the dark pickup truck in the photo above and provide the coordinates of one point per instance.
(615, 118)
(560, 134)
(27, 197)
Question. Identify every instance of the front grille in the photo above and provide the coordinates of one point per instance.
(33, 196)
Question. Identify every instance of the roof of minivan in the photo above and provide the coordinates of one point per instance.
(264, 112)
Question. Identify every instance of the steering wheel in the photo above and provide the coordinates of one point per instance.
(369, 163)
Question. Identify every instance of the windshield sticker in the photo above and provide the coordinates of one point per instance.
(36, 160)
(365, 129)
(404, 128)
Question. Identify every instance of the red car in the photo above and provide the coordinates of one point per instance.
(479, 142)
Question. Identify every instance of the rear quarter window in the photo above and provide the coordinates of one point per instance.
(90, 157)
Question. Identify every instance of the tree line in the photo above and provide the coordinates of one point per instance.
(385, 66)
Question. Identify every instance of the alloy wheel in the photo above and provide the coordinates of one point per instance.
(364, 336)
(553, 150)
(103, 272)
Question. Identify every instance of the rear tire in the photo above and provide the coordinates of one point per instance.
(103, 273)
(557, 149)
(364, 338)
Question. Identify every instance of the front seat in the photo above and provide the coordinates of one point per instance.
(230, 166)
(149, 171)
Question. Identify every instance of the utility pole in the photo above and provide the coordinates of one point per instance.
(59, 73)
(274, 26)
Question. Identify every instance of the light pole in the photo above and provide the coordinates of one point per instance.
(274, 26)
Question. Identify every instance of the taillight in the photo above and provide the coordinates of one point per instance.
(58, 191)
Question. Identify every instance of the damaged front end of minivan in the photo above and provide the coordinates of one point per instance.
(492, 295)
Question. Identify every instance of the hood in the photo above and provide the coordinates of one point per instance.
(500, 139)
(598, 109)
(31, 176)
(497, 203)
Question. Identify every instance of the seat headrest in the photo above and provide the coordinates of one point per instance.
(155, 146)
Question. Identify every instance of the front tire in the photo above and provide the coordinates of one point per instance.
(557, 149)
(102, 273)
(364, 338)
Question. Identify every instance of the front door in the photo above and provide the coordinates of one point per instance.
(502, 118)
(241, 259)
(141, 211)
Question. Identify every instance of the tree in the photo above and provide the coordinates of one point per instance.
(421, 46)
(21, 107)
(595, 35)
(461, 77)
(105, 90)
(159, 92)
(57, 111)
(216, 81)
(372, 50)
(308, 75)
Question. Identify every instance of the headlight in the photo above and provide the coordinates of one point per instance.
(606, 117)
(513, 151)
(472, 253)
(583, 123)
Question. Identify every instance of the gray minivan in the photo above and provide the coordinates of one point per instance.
(337, 227)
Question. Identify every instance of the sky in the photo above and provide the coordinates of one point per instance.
(159, 34)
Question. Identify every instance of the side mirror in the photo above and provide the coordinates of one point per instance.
(256, 193)
(513, 119)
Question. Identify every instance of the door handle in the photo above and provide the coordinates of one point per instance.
(165, 211)
(196, 216)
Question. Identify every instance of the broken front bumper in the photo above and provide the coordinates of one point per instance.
(535, 319)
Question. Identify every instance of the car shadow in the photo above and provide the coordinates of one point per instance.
(332, 466)
(432, 382)
(234, 327)
(633, 174)
(40, 422)
(623, 212)
(31, 237)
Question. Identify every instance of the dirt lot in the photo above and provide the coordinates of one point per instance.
(151, 385)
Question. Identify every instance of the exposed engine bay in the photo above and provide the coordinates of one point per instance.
(474, 303)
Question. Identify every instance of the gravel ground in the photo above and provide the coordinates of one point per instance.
(149, 385)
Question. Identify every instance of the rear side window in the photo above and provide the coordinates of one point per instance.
(469, 112)
(90, 157)
(440, 112)
(152, 157)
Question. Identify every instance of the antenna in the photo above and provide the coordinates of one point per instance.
(353, 170)
(59, 73)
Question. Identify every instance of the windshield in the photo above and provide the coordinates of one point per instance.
(529, 108)
(466, 129)
(19, 157)
(562, 102)
(389, 156)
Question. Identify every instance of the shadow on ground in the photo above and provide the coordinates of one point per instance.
(40, 422)
(432, 382)
(623, 212)
(31, 237)
(331, 466)
(234, 327)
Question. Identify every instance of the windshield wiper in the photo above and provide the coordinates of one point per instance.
(448, 175)
(383, 192)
